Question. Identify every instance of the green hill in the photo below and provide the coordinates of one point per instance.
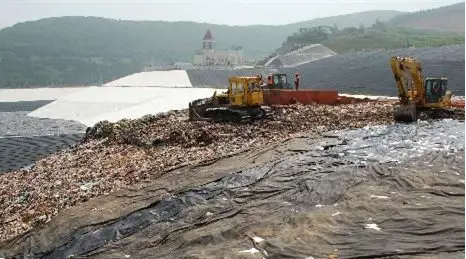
(435, 27)
(446, 19)
(351, 20)
(84, 50)
(378, 36)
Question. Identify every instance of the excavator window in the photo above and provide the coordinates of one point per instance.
(276, 80)
(254, 87)
(240, 87)
(236, 88)
(435, 88)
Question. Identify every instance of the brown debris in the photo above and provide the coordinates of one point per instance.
(115, 155)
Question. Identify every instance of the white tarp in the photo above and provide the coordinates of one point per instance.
(170, 78)
(36, 94)
(371, 97)
(166, 100)
(115, 103)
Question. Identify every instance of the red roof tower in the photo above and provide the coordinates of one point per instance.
(207, 41)
(208, 36)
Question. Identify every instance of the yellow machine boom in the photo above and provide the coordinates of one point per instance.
(417, 93)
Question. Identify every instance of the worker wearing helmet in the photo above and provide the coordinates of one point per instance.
(261, 82)
(296, 81)
(269, 80)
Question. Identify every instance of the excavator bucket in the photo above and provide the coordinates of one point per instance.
(405, 113)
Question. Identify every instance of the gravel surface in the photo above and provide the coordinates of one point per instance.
(22, 106)
(19, 124)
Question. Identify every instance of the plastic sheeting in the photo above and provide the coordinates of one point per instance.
(19, 152)
(308, 197)
(170, 78)
(115, 103)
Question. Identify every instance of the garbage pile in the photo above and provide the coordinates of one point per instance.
(131, 152)
(171, 128)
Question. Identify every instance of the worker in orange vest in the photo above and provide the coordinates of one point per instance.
(269, 80)
(296, 81)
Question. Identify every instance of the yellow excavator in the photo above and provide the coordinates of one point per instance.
(417, 94)
(243, 100)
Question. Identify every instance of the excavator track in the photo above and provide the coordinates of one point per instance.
(204, 110)
(410, 113)
(225, 114)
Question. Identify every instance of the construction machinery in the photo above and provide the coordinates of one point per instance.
(279, 81)
(418, 94)
(243, 100)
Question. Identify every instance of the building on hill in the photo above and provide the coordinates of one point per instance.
(209, 56)
(320, 28)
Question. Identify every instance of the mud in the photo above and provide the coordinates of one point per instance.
(383, 191)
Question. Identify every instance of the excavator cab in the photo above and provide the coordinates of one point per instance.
(280, 81)
(245, 91)
(436, 88)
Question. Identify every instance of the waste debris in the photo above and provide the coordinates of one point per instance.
(133, 152)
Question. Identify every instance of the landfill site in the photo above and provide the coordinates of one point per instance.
(327, 173)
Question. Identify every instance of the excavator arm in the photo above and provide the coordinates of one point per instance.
(402, 65)
(425, 94)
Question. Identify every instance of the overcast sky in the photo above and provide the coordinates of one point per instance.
(231, 12)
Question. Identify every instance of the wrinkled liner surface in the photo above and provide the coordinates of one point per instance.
(372, 192)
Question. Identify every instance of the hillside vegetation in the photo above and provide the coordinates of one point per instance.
(86, 50)
(377, 36)
(90, 50)
(447, 19)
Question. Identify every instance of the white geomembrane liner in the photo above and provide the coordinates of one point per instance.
(371, 97)
(166, 100)
(170, 78)
(36, 94)
(95, 104)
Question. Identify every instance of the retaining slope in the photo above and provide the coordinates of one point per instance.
(302, 56)
(109, 103)
(171, 78)
(163, 100)
(364, 72)
(370, 73)
(219, 78)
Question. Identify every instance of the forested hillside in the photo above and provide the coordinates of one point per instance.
(86, 50)
(447, 19)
